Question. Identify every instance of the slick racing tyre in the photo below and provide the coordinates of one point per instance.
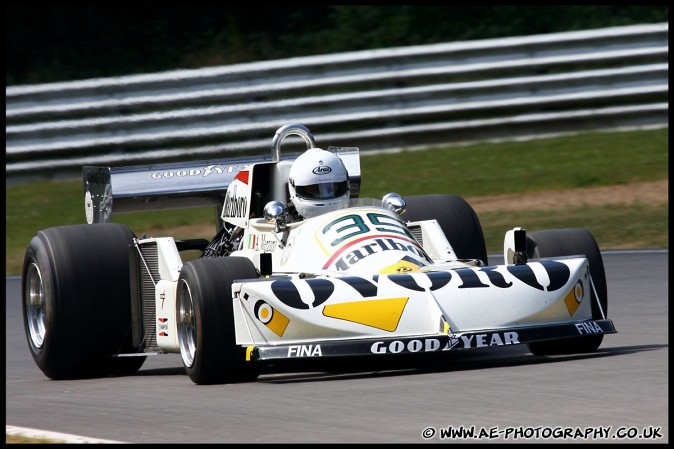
(76, 301)
(568, 242)
(205, 317)
(457, 219)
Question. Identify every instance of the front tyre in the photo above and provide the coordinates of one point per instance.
(76, 301)
(205, 318)
(569, 242)
(457, 219)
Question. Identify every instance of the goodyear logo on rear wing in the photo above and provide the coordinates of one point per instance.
(213, 169)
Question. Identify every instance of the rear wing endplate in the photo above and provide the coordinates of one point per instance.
(185, 184)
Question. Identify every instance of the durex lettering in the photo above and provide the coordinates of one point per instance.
(558, 273)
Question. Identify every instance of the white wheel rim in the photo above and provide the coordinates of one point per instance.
(35, 306)
(186, 324)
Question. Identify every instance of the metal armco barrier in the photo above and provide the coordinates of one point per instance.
(390, 98)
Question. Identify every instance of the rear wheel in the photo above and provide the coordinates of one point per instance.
(76, 301)
(569, 242)
(206, 320)
(457, 219)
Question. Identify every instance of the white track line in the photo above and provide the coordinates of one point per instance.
(55, 436)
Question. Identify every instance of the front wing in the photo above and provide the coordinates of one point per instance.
(430, 343)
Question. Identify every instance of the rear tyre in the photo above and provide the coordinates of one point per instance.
(205, 316)
(457, 219)
(76, 301)
(568, 242)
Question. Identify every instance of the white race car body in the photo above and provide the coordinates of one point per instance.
(375, 277)
(360, 274)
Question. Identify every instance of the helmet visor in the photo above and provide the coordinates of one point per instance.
(323, 191)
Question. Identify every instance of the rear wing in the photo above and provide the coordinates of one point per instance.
(186, 184)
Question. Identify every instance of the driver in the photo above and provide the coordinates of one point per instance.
(318, 179)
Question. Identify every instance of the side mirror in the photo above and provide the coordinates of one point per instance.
(515, 246)
(276, 213)
(394, 202)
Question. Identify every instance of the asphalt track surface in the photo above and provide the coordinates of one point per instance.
(506, 394)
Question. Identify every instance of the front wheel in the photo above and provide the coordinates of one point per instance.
(569, 242)
(205, 318)
(457, 219)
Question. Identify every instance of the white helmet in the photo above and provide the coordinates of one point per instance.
(317, 179)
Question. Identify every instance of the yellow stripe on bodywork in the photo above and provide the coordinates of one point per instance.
(445, 327)
(402, 266)
(380, 313)
(278, 323)
(573, 299)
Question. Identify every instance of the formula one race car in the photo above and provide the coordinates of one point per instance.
(300, 268)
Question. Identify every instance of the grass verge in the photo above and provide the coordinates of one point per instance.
(585, 160)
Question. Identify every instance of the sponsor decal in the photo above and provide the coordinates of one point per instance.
(286, 291)
(438, 280)
(235, 206)
(262, 243)
(575, 296)
(321, 169)
(304, 351)
(348, 226)
(382, 314)
(364, 287)
(558, 273)
(484, 340)
(162, 327)
(398, 346)
(404, 265)
(252, 241)
(202, 172)
(434, 344)
(373, 246)
(243, 176)
(268, 246)
(270, 317)
(589, 327)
